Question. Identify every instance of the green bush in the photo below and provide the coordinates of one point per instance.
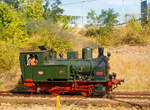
(136, 33)
(101, 31)
(91, 32)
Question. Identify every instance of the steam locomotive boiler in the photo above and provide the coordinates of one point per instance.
(72, 75)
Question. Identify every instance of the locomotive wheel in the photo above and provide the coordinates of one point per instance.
(99, 90)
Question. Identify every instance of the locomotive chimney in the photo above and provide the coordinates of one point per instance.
(100, 51)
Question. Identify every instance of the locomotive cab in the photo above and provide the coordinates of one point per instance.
(44, 70)
(25, 64)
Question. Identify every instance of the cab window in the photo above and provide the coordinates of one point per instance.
(31, 59)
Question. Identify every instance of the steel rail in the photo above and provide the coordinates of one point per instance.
(114, 95)
(143, 93)
(23, 94)
(131, 95)
(127, 97)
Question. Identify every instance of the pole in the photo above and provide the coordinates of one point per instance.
(82, 11)
(58, 103)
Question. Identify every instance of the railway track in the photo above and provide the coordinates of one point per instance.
(142, 99)
(23, 94)
(114, 95)
(131, 95)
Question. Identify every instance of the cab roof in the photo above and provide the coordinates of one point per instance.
(28, 52)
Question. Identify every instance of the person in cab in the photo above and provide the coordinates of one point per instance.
(32, 60)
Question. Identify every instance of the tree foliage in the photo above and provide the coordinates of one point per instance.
(37, 9)
(34, 9)
(92, 18)
(101, 24)
(12, 25)
(107, 18)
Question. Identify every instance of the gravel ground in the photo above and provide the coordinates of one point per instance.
(6, 106)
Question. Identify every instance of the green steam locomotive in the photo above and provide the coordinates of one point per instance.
(42, 72)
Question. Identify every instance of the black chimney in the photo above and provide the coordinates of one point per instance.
(100, 51)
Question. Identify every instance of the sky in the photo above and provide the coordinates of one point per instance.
(80, 8)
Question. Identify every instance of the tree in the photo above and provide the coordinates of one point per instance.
(107, 18)
(38, 9)
(46, 9)
(55, 11)
(12, 3)
(92, 18)
(12, 26)
(34, 9)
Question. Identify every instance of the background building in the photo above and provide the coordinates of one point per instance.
(145, 11)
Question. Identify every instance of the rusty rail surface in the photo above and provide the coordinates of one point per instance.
(24, 94)
(131, 95)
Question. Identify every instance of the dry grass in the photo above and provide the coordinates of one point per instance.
(132, 63)
(9, 79)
